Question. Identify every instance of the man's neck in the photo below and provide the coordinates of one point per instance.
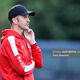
(17, 29)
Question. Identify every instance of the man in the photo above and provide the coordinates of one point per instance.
(19, 55)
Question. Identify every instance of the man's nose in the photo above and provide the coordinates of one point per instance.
(28, 19)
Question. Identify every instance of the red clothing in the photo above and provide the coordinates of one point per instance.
(16, 62)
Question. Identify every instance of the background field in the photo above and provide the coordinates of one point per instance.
(61, 68)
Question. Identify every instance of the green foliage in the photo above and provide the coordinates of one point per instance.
(55, 19)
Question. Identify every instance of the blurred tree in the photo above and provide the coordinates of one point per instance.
(55, 19)
(4, 8)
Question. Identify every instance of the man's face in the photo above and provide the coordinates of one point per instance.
(23, 22)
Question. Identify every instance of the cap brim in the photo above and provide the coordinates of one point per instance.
(30, 13)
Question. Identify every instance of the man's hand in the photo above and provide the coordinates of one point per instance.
(29, 35)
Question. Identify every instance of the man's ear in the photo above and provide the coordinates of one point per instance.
(14, 20)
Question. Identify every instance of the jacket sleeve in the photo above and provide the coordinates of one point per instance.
(16, 60)
(37, 55)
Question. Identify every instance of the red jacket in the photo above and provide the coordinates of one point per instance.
(16, 62)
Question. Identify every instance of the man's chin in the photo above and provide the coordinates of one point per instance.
(26, 29)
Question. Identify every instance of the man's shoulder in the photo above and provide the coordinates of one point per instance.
(6, 39)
